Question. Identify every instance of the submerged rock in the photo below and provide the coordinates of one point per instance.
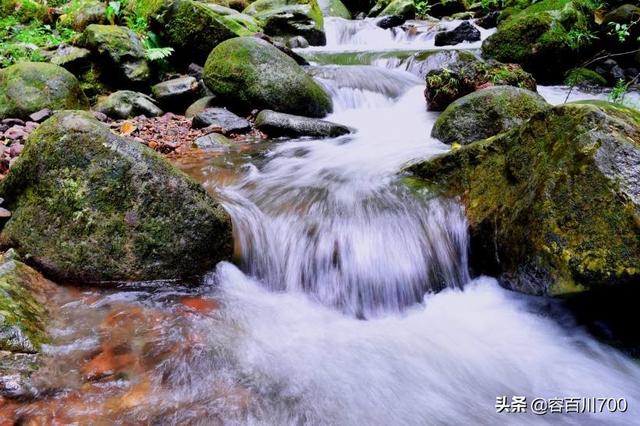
(463, 32)
(248, 73)
(468, 74)
(553, 205)
(29, 87)
(90, 206)
(277, 124)
(194, 28)
(486, 113)
(289, 18)
(126, 104)
(222, 119)
(120, 48)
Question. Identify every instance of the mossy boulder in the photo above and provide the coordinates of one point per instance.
(468, 74)
(584, 77)
(119, 48)
(440, 8)
(334, 8)
(554, 205)
(404, 8)
(290, 18)
(486, 113)
(194, 28)
(248, 73)
(28, 87)
(85, 14)
(126, 104)
(90, 206)
(543, 39)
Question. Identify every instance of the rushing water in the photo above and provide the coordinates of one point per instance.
(351, 304)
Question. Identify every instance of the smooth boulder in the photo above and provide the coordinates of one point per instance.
(552, 205)
(486, 113)
(90, 206)
(29, 87)
(126, 104)
(276, 124)
(248, 73)
(176, 94)
(222, 119)
(290, 18)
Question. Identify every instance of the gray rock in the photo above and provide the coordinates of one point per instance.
(199, 106)
(126, 103)
(223, 119)
(41, 115)
(176, 94)
(297, 42)
(276, 124)
(212, 141)
(15, 133)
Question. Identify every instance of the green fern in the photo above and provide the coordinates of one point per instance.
(158, 53)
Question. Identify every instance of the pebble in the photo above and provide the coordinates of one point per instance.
(41, 115)
(15, 133)
(15, 149)
(12, 122)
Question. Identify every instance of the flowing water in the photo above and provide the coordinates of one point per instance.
(350, 304)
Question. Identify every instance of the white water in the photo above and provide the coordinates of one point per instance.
(329, 234)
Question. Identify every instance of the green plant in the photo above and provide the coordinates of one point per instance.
(112, 12)
(153, 50)
(579, 37)
(618, 92)
(422, 7)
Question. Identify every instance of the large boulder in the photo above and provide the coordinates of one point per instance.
(554, 205)
(119, 48)
(277, 124)
(90, 206)
(28, 87)
(486, 113)
(290, 18)
(540, 38)
(468, 74)
(249, 73)
(85, 14)
(403, 8)
(194, 28)
(334, 8)
(126, 104)
(441, 8)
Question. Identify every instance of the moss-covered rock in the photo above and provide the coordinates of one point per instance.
(249, 73)
(194, 28)
(468, 74)
(440, 8)
(86, 13)
(403, 8)
(486, 113)
(28, 87)
(584, 77)
(120, 48)
(91, 206)
(334, 8)
(546, 38)
(554, 205)
(126, 104)
(290, 18)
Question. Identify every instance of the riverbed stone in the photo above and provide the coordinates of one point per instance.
(223, 119)
(212, 141)
(552, 205)
(126, 104)
(85, 14)
(176, 94)
(403, 8)
(248, 73)
(91, 206)
(29, 87)
(463, 32)
(120, 48)
(289, 18)
(194, 28)
(200, 105)
(276, 124)
(486, 113)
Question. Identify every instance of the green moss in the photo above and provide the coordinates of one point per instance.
(545, 207)
(582, 76)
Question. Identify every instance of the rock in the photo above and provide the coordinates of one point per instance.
(390, 21)
(72, 58)
(212, 141)
(334, 8)
(13, 122)
(41, 115)
(126, 104)
(86, 13)
(463, 16)
(194, 28)
(539, 41)
(249, 73)
(91, 206)
(200, 105)
(297, 42)
(486, 113)
(284, 48)
(403, 8)
(289, 18)
(4, 213)
(15, 133)
(584, 77)
(195, 71)
(15, 149)
(463, 32)
(445, 85)
(552, 205)
(222, 119)
(627, 14)
(119, 48)
(439, 9)
(490, 20)
(28, 87)
(276, 124)
(176, 94)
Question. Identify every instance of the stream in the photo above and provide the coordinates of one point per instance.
(350, 302)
